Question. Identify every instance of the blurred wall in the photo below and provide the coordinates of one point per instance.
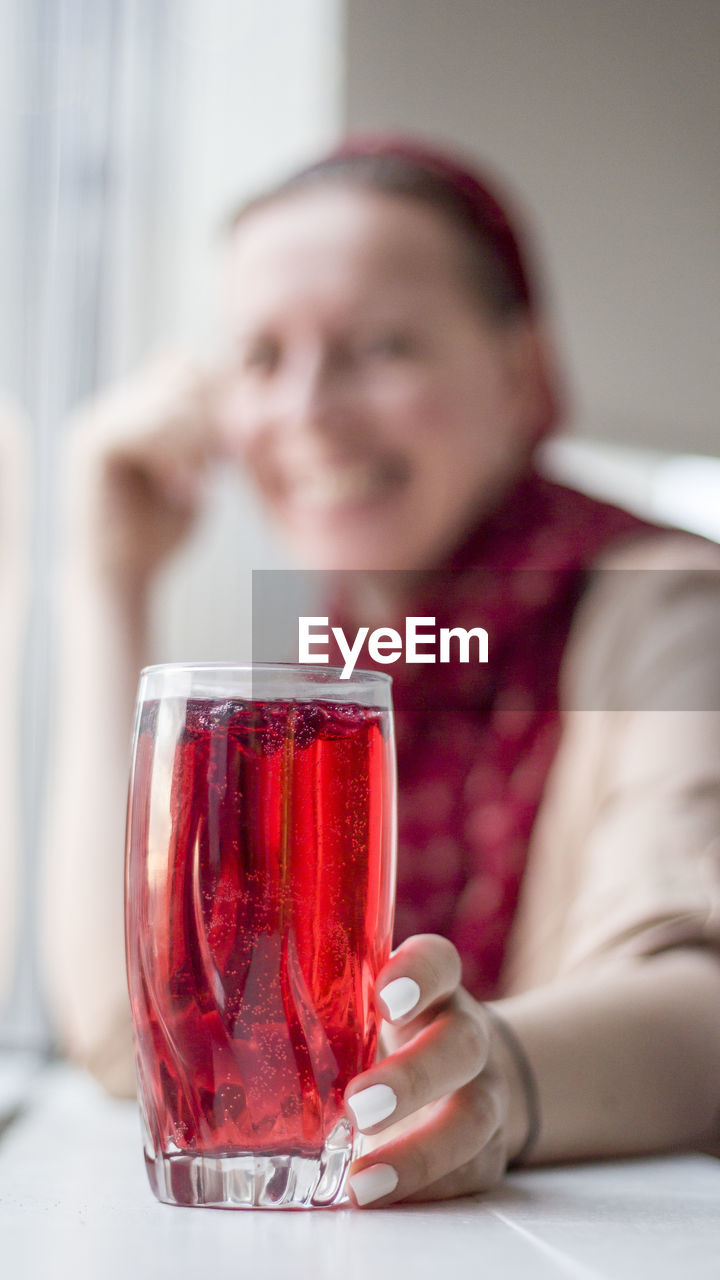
(253, 92)
(605, 116)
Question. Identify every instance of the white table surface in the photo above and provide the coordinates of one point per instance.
(75, 1202)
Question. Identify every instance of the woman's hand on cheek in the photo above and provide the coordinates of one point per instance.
(442, 1112)
(138, 462)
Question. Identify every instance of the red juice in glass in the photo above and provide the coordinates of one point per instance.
(260, 888)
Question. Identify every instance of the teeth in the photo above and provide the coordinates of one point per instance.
(334, 488)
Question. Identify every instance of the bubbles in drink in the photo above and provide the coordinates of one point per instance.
(259, 910)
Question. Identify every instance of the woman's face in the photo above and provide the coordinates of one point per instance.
(377, 408)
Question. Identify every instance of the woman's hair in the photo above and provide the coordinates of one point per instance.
(492, 264)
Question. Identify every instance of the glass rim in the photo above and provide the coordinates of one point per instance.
(357, 675)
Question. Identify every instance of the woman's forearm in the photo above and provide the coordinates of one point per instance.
(102, 645)
(626, 1060)
(132, 488)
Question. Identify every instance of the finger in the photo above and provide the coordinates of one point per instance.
(442, 1057)
(485, 1171)
(185, 486)
(454, 1134)
(422, 971)
(173, 459)
(163, 477)
(168, 405)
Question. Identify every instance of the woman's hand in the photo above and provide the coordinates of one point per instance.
(446, 1109)
(138, 460)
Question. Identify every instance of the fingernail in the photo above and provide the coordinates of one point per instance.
(372, 1105)
(399, 997)
(370, 1184)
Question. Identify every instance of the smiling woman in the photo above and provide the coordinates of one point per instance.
(373, 352)
(390, 378)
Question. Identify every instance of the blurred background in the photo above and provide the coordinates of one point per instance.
(129, 129)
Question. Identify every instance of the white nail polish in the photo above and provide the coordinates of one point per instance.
(372, 1105)
(399, 997)
(370, 1184)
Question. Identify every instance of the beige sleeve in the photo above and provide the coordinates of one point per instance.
(625, 855)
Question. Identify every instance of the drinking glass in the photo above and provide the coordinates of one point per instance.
(260, 881)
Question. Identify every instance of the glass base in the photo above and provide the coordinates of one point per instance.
(255, 1180)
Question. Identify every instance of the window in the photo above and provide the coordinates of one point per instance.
(128, 130)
